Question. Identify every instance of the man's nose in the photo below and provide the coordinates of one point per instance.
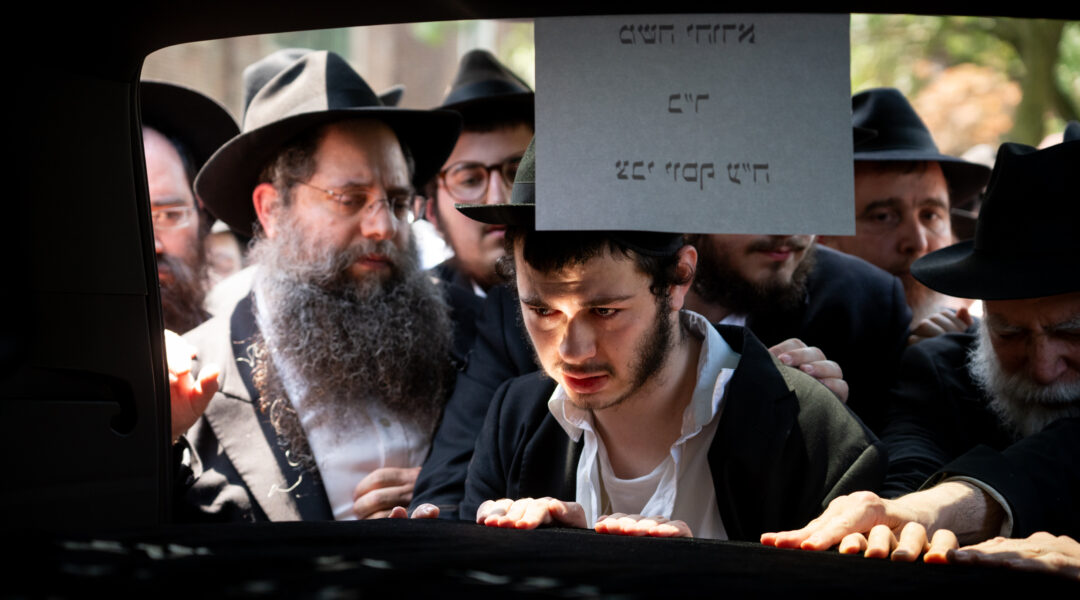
(379, 224)
(496, 192)
(579, 342)
(159, 248)
(1046, 360)
(913, 237)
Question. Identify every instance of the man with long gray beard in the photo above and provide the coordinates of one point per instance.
(987, 423)
(334, 370)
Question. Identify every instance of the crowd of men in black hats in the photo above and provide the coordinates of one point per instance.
(801, 391)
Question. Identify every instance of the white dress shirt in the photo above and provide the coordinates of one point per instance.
(681, 486)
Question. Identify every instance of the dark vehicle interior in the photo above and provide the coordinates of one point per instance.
(84, 391)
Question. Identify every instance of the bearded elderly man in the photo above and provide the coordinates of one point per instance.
(645, 409)
(181, 129)
(995, 414)
(335, 368)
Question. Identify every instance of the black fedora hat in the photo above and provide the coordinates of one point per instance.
(521, 212)
(1027, 239)
(199, 123)
(317, 89)
(902, 136)
(258, 73)
(483, 83)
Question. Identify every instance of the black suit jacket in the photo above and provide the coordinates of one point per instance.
(855, 312)
(941, 426)
(784, 447)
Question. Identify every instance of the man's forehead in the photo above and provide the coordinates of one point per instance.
(371, 141)
(1060, 311)
(605, 276)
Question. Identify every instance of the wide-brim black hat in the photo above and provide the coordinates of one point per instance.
(317, 89)
(483, 83)
(902, 136)
(199, 123)
(521, 212)
(1027, 239)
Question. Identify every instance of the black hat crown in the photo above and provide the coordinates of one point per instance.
(1027, 239)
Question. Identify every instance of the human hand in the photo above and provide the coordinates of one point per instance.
(382, 490)
(940, 323)
(530, 513)
(188, 396)
(883, 542)
(857, 513)
(424, 511)
(1040, 551)
(624, 524)
(811, 360)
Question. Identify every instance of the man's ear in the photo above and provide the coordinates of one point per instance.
(826, 240)
(267, 202)
(685, 270)
(431, 212)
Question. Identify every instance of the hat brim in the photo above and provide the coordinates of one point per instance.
(522, 215)
(196, 121)
(965, 179)
(520, 102)
(226, 181)
(963, 272)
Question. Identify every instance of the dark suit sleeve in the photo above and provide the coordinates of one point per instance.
(913, 432)
(1039, 477)
(496, 357)
(487, 477)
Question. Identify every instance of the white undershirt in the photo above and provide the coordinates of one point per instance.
(349, 446)
(681, 486)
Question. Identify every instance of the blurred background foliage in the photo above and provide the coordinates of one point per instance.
(976, 81)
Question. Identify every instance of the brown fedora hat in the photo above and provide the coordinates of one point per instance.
(1027, 238)
(317, 89)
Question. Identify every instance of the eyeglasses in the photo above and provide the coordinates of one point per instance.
(173, 217)
(363, 200)
(467, 181)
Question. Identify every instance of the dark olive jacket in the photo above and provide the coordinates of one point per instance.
(784, 447)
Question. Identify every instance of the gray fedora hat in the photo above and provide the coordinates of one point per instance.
(317, 89)
(902, 136)
(258, 73)
(1027, 238)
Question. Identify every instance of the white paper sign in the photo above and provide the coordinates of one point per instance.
(694, 124)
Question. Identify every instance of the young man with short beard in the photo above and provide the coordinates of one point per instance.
(335, 368)
(643, 408)
(496, 108)
(181, 129)
(986, 425)
(785, 286)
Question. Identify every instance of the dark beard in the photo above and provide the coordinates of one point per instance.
(387, 340)
(718, 282)
(183, 289)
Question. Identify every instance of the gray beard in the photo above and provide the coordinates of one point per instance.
(349, 340)
(1024, 406)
